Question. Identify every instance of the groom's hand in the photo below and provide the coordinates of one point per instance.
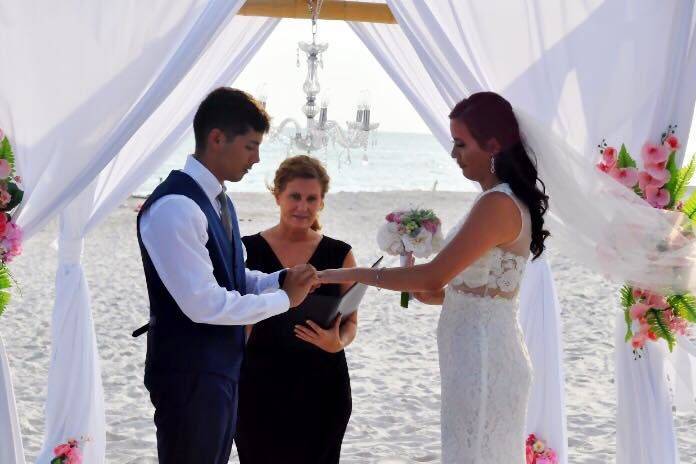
(299, 280)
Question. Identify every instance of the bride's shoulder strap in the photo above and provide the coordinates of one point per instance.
(505, 188)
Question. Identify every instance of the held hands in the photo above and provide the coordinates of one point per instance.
(328, 340)
(299, 281)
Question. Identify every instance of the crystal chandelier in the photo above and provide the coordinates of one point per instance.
(319, 130)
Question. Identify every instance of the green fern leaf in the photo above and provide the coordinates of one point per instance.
(626, 293)
(5, 277)
(660, 328)
(689, 207)
(627, 301)
(671, 185)
(5, 285)
(6, 152)
(684, 177)
(684, 305)
(4, 301)
(629, 331)
(624, 160)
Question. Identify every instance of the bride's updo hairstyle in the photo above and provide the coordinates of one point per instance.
(488, 116)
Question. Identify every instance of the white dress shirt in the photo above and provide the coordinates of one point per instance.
(174, 232)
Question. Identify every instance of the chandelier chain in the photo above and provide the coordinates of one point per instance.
(314, 9)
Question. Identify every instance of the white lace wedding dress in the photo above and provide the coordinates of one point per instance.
(484, 364)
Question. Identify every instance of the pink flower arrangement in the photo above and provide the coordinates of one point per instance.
(652, 182)
(67, 453)
(652, 316)
(537, 452)
(11, 195)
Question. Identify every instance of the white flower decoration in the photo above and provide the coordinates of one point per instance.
(421, 245)
(389, 239)
(508, 281)
(438, 241)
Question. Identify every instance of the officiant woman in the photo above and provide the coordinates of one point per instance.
(294, 391)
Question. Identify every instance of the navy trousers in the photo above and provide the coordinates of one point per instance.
(195, 416)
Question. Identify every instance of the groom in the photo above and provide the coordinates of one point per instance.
(200, 293)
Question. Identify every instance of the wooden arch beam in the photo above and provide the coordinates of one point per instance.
(339, 10)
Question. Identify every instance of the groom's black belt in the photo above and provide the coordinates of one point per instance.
(141, 330)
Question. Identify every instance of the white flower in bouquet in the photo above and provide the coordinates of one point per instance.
(438, 241)
(421, 245)
(389, 239)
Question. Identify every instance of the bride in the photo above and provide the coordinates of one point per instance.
(484, 365)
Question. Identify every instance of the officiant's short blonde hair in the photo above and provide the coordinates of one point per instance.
(300, 167)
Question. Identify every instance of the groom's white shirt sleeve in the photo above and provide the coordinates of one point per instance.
(174, 233)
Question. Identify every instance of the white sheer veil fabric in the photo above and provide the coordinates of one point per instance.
(603, 224)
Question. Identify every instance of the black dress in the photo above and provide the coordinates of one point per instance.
(294, 398)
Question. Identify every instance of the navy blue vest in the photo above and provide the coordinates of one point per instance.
(175, 342)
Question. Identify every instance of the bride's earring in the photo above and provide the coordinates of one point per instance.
(492, 164)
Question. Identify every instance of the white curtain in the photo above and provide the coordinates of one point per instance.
(540, 318)
(539, 308)
(111, 66)
(79, 78)
(173, 121)
(11, 451)
(617, 69)
(74, 371)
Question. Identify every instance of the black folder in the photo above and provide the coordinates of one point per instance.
(323, 309)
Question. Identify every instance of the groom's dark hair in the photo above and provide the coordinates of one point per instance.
(232, 111)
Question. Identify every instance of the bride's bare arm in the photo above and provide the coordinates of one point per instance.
(494, 220)
(432, 298)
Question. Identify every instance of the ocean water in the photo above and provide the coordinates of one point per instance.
(394, 161)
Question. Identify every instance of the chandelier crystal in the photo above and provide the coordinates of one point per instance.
(319, 131)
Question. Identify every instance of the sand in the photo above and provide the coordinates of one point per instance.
(393, 362)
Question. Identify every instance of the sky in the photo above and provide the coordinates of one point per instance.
(349, 69)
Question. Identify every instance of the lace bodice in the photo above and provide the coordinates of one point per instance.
(500, 270)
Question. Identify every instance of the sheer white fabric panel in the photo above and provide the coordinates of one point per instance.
(540, 318)
(159, 136)
(75, 398)
(566, 64)
(11, 451)
(65, 129)
(391, 49)
(75, 371)
(84, 77)
(639, 383)
(539, 308)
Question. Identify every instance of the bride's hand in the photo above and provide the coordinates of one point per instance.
(334, 276)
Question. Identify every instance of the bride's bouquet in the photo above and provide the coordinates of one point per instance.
(650, 315)
(407, 233)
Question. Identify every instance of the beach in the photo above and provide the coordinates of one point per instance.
(393, 361)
